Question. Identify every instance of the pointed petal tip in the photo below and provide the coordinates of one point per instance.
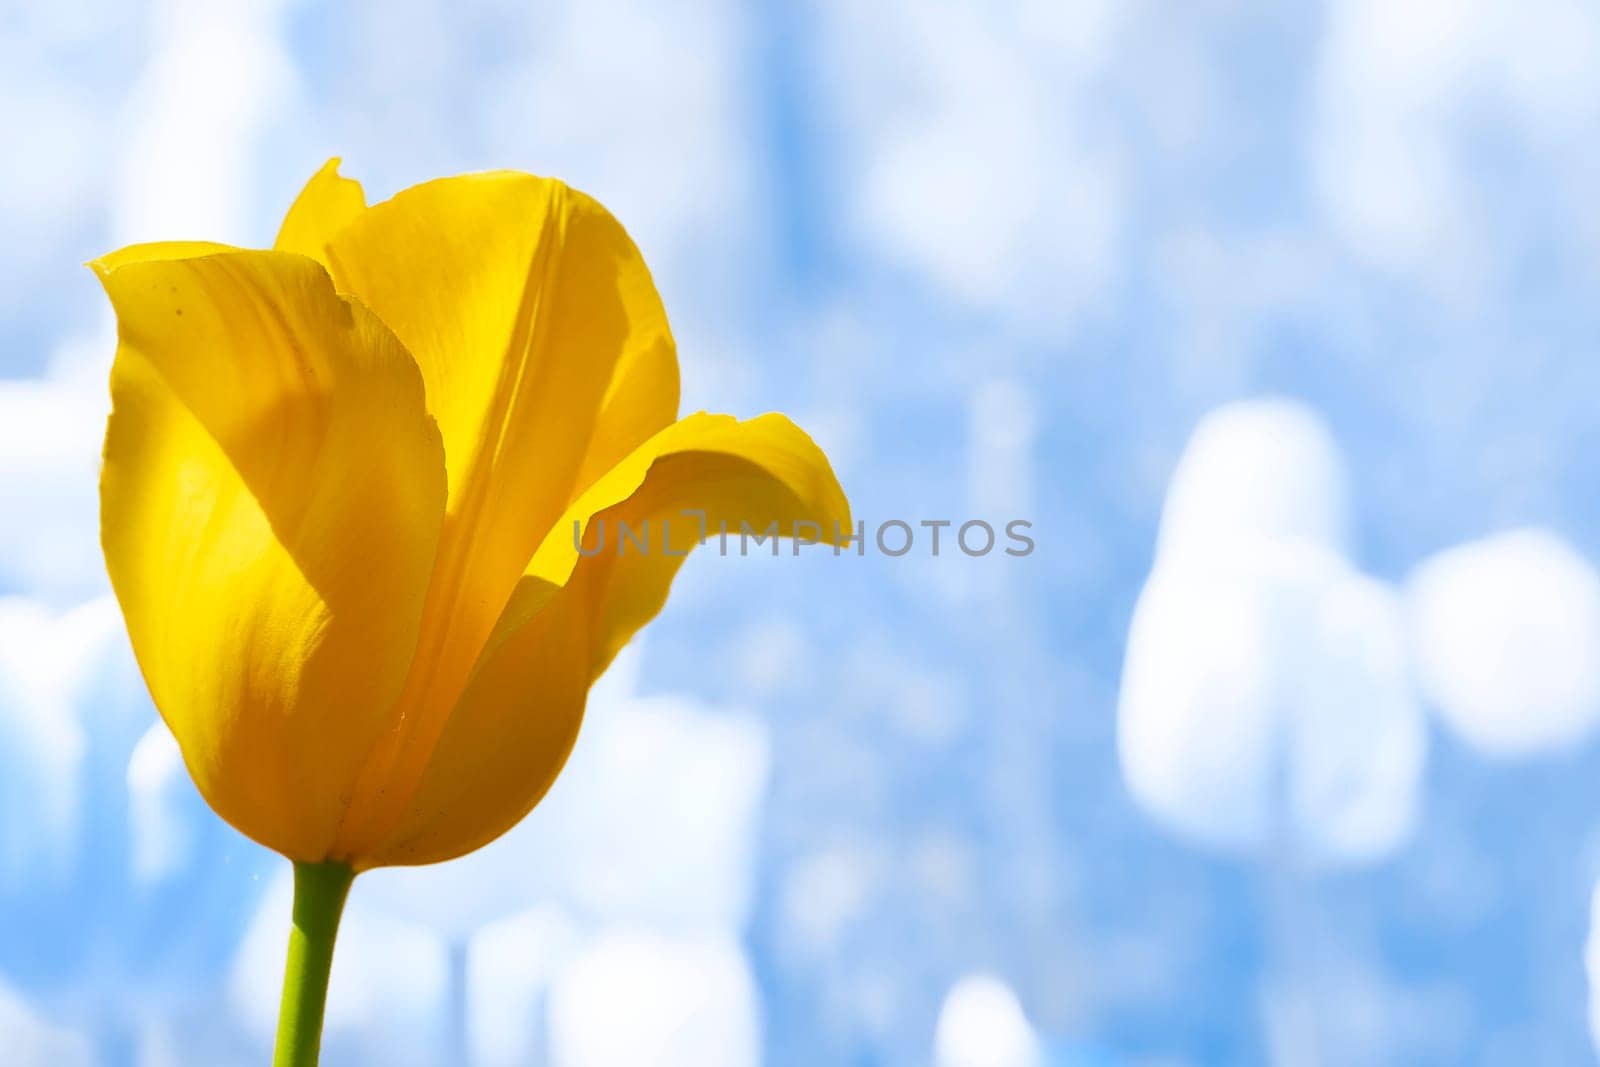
(326, 204)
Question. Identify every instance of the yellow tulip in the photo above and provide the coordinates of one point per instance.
(341, 483)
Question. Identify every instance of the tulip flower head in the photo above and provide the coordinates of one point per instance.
(341, 485)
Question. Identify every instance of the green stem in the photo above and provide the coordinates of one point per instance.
(319, 893)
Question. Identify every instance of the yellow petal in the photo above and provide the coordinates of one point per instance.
(547, 358)
(156, 250)
(506, 740)
(270, 505)
(502, 747)
(326, 205)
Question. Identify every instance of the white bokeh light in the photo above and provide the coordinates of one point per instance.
(1591, 964)
(1263, 470)
(30, 1041)
(972, 153)
(187, 172)
(639, 999)
(1405, 95)
(48, 661)
(1266, 702)
(1506, 633)
(50, 430)
(982, 1024)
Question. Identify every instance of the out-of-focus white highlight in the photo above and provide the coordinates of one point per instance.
(1506, 633)
(1266, 702)
(978, 117)
(1405, 93)
(981, 1024)
(30, 1041)
(1263, 470)
(511, 965)
(192, 148)
(643, 1000)
(159, 791)
(50, 433)
(1591, 964)
(46, 660)
(657, 823)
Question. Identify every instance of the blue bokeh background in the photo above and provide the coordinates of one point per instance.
(1001, 259)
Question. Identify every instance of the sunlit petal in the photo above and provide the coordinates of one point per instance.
(571, 614)
(326, 205)
(547, 359)
(271, 500)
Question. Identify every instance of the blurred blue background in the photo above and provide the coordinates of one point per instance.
(1277, 320)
